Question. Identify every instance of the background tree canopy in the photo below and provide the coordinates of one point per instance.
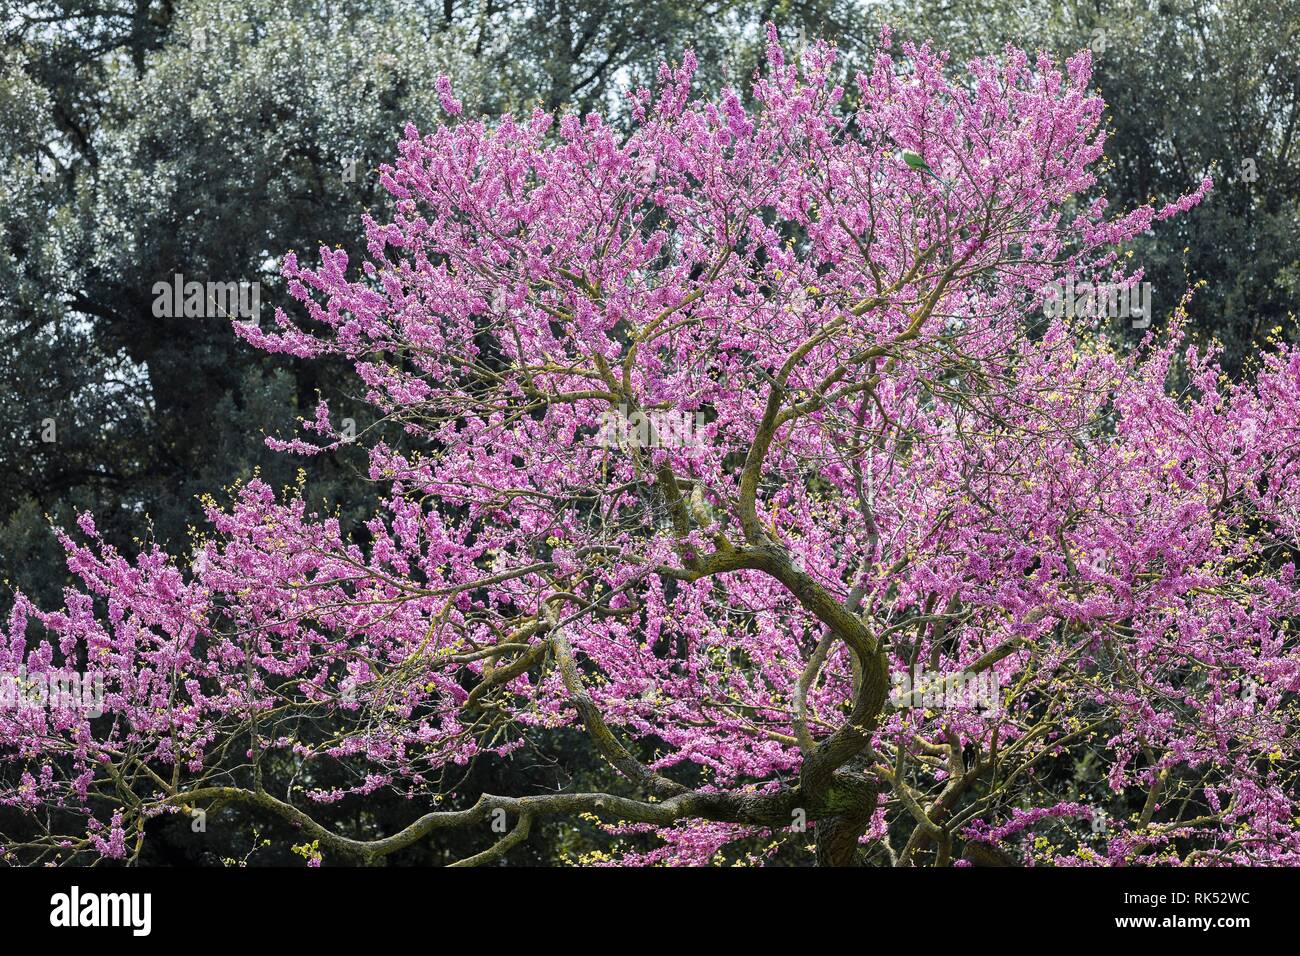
(205, 137)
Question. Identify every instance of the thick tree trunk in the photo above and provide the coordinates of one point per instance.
(837, 840)
(838, 834)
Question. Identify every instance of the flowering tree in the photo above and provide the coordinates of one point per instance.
(862, 456)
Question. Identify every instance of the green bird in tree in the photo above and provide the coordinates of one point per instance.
(914, 161)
